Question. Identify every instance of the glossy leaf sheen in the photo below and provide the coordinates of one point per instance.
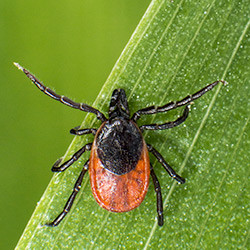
(178, 47)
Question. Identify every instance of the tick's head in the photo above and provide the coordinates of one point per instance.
(119, 105)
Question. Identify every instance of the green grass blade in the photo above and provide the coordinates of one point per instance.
(178, 47)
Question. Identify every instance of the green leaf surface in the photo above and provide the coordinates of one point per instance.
(177, 48)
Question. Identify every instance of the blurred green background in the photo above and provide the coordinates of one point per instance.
(71, 46)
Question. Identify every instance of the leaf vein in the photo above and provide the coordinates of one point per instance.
(220, 185)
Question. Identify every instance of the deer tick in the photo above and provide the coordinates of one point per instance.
(119, 165)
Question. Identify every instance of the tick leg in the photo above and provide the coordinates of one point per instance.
(75, 157)
(65, 100)
(158, 197)
(71, 199)
(172, 105)
(170, 171)
(78, 131)
(167, 125)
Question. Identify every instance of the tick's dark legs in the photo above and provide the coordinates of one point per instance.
(78, 131)
(170, 171)
(62, 99)
(71, 199)
(167, 125)
(172, 105)
(158, 197)
(75, 157)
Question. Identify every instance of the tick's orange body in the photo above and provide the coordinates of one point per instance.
(119, 193)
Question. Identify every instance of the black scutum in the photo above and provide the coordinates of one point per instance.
(119, 145)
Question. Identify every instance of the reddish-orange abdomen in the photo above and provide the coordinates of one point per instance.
(119, 193)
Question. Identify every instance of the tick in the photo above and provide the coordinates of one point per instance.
(119, 166)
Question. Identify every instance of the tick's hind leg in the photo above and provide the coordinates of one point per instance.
(158, 197)
(160, 158)
(75, 157)
(71, 199)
